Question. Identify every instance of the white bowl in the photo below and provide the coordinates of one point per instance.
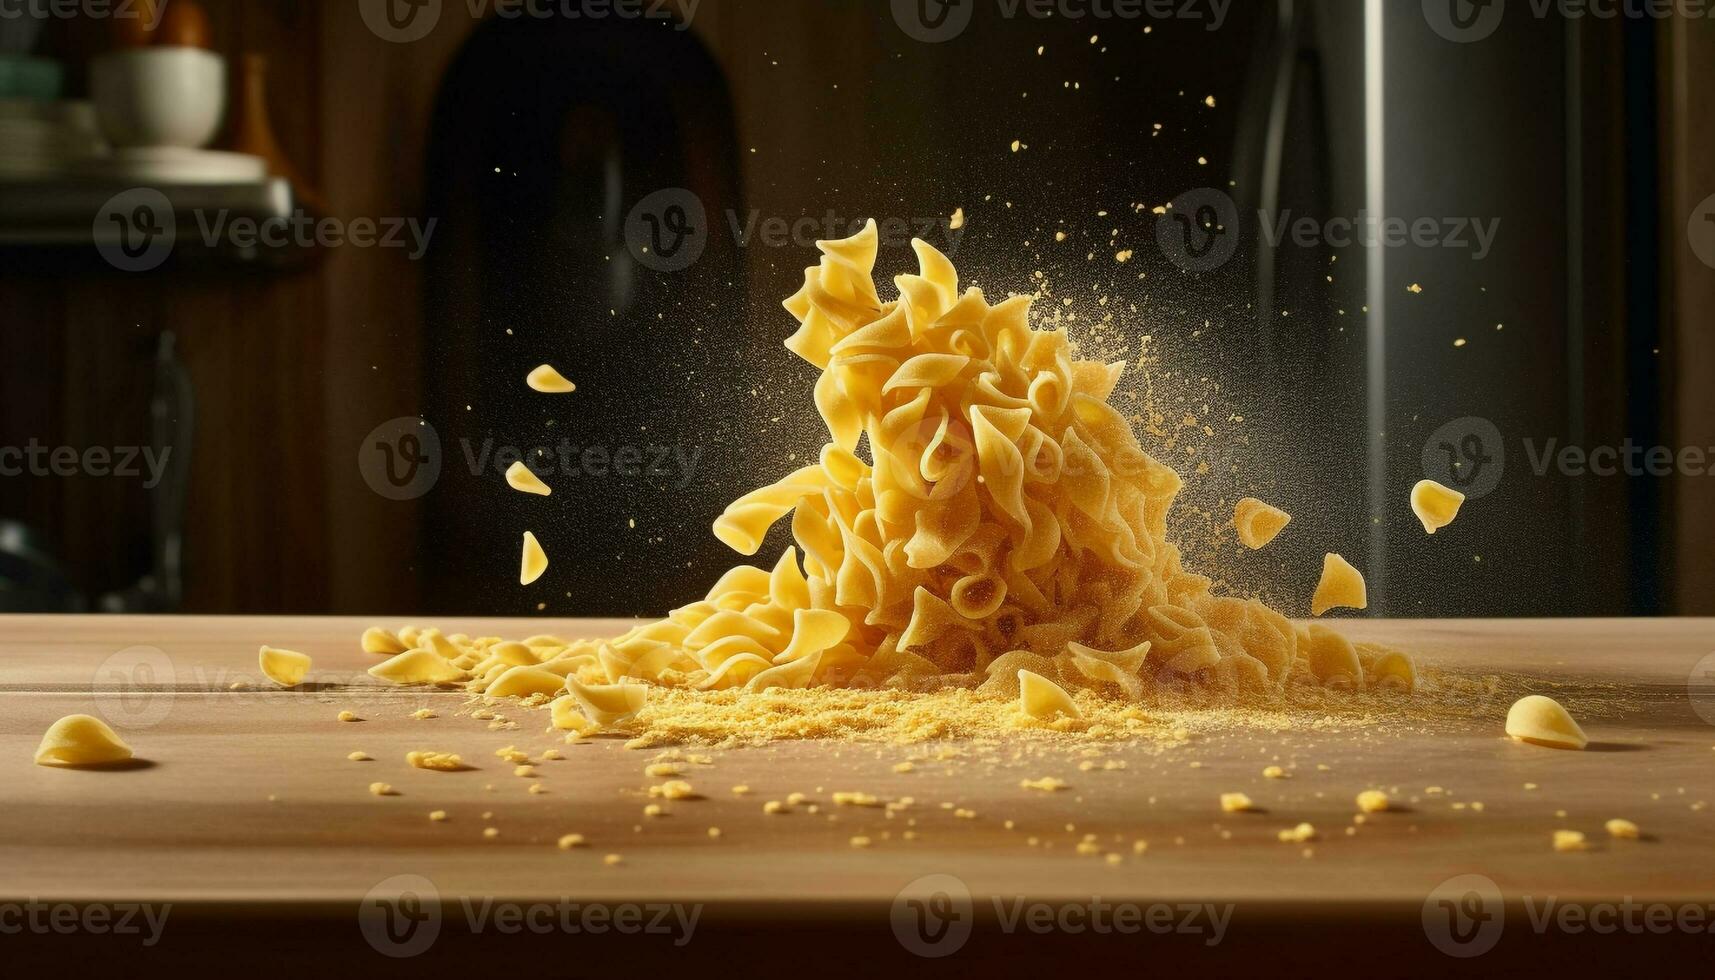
(167, 96)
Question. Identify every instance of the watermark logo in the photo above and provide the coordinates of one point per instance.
(400, 21)
(400, 459)
(1467, 21)
(401, 916)
(1701, 231)
(1700, 688)
(668, 230)
(1464, 916)
(139, 681)
(1466, 454)
(1200, 230)
(1464, 21)
(933, 21)
(932, 916)
(936, 21)
(135, 230)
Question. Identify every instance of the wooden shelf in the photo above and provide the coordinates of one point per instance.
(61, 218)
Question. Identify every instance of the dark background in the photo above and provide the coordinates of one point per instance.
(1318, 374)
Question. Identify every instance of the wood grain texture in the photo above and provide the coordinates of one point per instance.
(248, 795)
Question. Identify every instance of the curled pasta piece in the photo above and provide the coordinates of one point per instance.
(1333, 659)
(1341, 586)
(1042, 699)
(796, 674)
(1257, 522)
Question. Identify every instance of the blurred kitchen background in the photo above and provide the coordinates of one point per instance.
(317, 422)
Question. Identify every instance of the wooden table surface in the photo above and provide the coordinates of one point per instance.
(246, 798)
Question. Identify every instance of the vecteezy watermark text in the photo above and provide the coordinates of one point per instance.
(304, 230)
(137, 230)
(1629, 458)
(1201, 229)
(149, 14)
(402, 916)
(404, 21)
(933, 917)
(1466, 21)
(567, 459)
(36, 917)
(1466, 234)
(1465, 916)
(935, 21)
(668, 230)
(123, 462)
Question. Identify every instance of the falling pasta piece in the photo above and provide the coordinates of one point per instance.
(549, 381)
(522, 478)
(1342, 586)
(1258, 523)
(1542, 720)
(1042, 699)
(81, 740)
(1435, 505)
(284, 667)
(535, 560)
(418, 667)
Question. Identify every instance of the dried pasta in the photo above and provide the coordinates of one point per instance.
(1435, 505)
(1258, 523)
(980, 513)
(1341, 586)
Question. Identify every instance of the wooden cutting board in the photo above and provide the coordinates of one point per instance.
(245, 799)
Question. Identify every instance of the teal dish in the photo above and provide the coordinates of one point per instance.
(30, 78)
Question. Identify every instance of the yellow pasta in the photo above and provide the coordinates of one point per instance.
(418, 667)
(284, 667)
(1257, 522)
(377, 640)
(606, 704)
(81, 740)
(1342, 586)
(1544, 721)
(520, 477)
(1042, 699)
(1435, 505)
(535, 560)
(549, 381)
(979, 511)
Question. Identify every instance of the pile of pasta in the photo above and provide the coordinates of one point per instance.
(1006, 518)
